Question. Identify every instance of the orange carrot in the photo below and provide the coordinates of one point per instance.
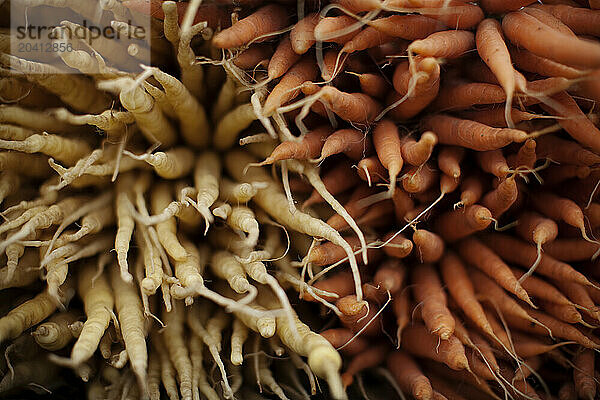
(329, 253)
(470, 134)
(536, 229)
(499, 200)
(504, 6)
(430, 246)
(336, 181)
(542, 290)
(287, 88)
(374, 85)
(409, 377)
(402, 204)
(526, 156)
(570, 250)
(526, 31)
(482, 257)
(370, 358)
(309, 147)
(493, 162)
(527, 61)
(371, 171)
(567, 392)
(338, 337)
(457, 224)
(283, 59)
(583, 374)
(518, 252)
(378, 215)
(428, 291)
(449, 159)
(559, 209)
(565, 151)
(527, 346)
(471, 191)
(339, 283)
(495, 116)
(267, 19)
(418, 341)
(328, 29)
(353, 206)
(390, 276)
(581, 20)
(579, 295)
(556, 174)
(417, 153)
(458, 15)
(575, 122)
(253, 56)
(401, 309)
(353, 107)
(389, 151)
(445, 44)
(356, 315)
(564, 312)
(461, 95)
(398, 247)
(461, 289)
(419, 179)
(302, 35)
(366, 39)
(352, 142)
(410, 27)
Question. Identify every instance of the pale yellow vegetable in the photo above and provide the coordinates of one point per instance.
(125, 224)
(167, 372)
(154, 376)
(172, 164)
(224, 265)
(59, 147)
(26, 273)
(242, 219)
(171, 23)
(55, 333)
(9, 184)
(36, 120)
(225, 100)
(229, 127)
(173, 337)
(239, 334)
(37, 164)
(199, 376)
(160, 199)
(207, 173)
(13, 132)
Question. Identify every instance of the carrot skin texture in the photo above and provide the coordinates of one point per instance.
(265, 20)
(408, 375)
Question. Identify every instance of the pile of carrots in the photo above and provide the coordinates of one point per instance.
(369, 198)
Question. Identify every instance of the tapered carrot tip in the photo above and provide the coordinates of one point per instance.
(349, 306)
(518, 136)
(347, 379)
(482, 217)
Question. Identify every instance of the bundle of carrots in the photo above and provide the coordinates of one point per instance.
(370, 198)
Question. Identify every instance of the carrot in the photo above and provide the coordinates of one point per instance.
(336, 180)
(307, 148)
(527, 61)
(211, 13)
(374, 85)
(358, 316)
(457, 224)
(560, 209)
(445, 44)
(470, 134)
(515, 251)
(559, 329)
(353, 206)
(526, 156)
(287, 88)
(283, 59)
(367, 38)
(502, 7)
(461, 96)
(428, 291)
(564, 312)
(370, 358)
(419, 179)
(493, 51)
(421, 343)
(253, 57)
(526, 31)
(592, 213)
(458, 15)
(578, 295)
(388, 146)
(567, 392)
(482, 257)
(581, 20)
(575, 122)
(402, 204)
(351, 142)
(335, 29)
(570, 250)
(416, 87)
(493, 162)
(339, 284)
(417, 153)
(449, 159)
(408, 375)
(399, 247)
(401, 308)
(352, 107)
(495, 116)
(502, 198)
(302, 35)
(390, 276)
(565, 151)
(557, 174)
(430, 246)
(265, 20)
(583, 374)
(339, 337)
(410, 27)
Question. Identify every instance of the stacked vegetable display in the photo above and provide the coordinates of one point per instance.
(359, 198)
